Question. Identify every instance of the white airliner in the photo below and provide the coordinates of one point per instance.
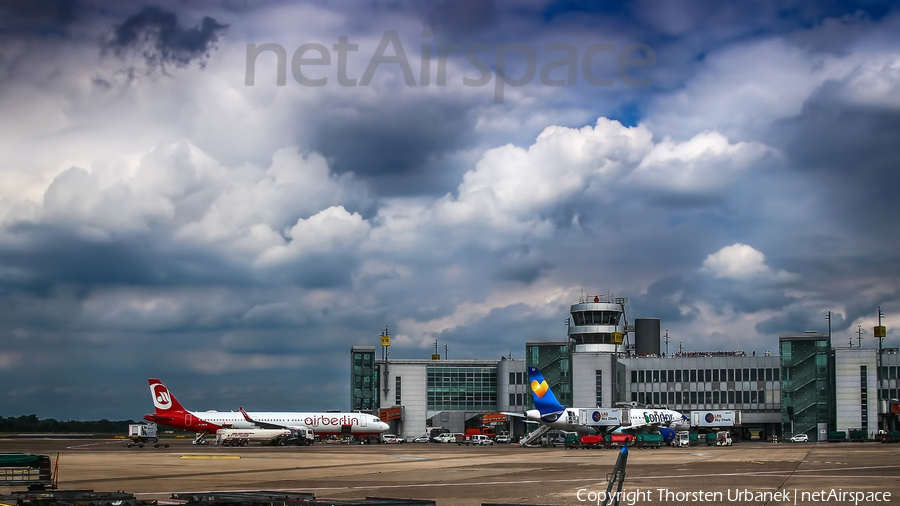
(553, 414)
(171, 413)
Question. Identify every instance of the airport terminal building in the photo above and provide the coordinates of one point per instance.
(807, 387)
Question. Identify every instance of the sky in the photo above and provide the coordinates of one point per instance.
(229, 195)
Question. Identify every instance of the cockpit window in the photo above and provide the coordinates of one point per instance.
(377, 419)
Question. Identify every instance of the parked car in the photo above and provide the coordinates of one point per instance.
(502, 439)
(422, 439)
(800, 438)
(392, 438)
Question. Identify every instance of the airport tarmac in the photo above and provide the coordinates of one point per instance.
(458, 475)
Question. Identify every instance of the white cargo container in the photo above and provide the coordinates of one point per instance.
(716, 418)
(600, 416)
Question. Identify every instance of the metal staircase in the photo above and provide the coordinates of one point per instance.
(534, 436)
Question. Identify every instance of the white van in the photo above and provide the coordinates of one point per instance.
(449, 437)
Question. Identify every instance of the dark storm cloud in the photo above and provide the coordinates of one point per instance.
(501, 331)
(463, 18)
(155, 34)
(50, 256)
(797, 320)
(396, 146)
(850, 151)
(669, 298)
(38, 17)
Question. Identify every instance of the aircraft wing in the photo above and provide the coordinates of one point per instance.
(263, 425)
(520, 415)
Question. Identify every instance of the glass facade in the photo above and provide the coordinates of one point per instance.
(806, 376)
(555, 362)
(672, 387)
(363, 380)
(462, 389)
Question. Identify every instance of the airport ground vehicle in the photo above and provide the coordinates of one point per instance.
(422, 439)
(800, 438)
(436, 432)
(140, 434)
(485, 430)
(617, 440)
(35, 471)
(650, 440)
(573, 440)
(476, 439)
(888, 437)
(682, 439)
(275, 437)
(449, 437)
(392, 439)
(723, 438)
(858, 435)
(836, 436)
(502, 439)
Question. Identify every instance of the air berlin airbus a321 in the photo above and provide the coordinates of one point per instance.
(171, 413)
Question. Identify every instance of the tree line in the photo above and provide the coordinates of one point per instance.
(31, 424)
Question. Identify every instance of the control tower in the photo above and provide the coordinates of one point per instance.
(598, 324)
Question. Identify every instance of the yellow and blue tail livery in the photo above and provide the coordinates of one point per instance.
(544, 400)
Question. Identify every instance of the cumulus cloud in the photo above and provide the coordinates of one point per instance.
(742, 262)
(737, 261)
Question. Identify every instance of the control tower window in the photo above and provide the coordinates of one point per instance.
(596, 318)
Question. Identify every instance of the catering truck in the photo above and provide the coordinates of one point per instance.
(716, 418)
(140, 434)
